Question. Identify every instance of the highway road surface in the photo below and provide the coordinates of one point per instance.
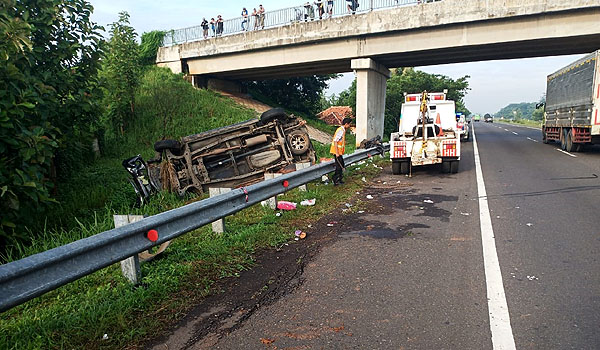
(504, 256)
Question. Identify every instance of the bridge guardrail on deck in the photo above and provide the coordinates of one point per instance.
(282, 17)
(25, 279)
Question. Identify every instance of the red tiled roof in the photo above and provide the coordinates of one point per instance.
(335, 115)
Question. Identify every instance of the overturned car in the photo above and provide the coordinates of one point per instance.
(231, 156)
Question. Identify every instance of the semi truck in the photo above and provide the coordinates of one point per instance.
(427, 134)
(572, 104)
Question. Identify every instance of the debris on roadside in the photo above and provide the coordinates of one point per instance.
(363, 179)
(348, 205)
(278, 214)
(285, 205)
(529, 224)
(300, 234)
(532, 278)
(324, 178)
(105, 336)
(331, 223)
(361, 211)
(465, 214)
(308, 202)
(369, 196)
(428, 201)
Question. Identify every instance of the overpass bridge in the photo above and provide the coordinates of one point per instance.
(448, 31)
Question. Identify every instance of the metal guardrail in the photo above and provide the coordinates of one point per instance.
(37, 274)
(283, 17)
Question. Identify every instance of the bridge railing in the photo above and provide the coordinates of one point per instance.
(283, 17)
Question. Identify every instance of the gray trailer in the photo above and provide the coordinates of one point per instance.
(572, 103)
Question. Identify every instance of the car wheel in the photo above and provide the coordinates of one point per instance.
(454, 166)
(299, 142)
(172, 145)
(272, 114)
(396, 167)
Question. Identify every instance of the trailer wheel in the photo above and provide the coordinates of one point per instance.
(544, 136)
(570, 146)
(404, 167)
(454, 166)
(445, 166)
(396, 167)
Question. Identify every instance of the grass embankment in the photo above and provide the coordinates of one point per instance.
(79, 314)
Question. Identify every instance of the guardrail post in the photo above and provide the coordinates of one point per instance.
(219, 225)
(130, 266)
(302, 166)
(271, 202)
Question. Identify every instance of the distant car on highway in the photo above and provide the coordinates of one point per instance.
(463, 127)
(488, 118)
(476, 118)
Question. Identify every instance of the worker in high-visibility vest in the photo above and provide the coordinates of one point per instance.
(338, 146)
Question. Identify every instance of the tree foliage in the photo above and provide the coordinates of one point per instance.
(49, 58)
(302, 94)
(121, 71)
(410, 81)
(151, 41)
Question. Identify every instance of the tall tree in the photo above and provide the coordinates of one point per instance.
(151, 41)
(122, 73)
(48, 66)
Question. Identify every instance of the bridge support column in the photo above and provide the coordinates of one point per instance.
(371, 79)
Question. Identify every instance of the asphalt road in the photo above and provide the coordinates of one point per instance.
(408, 272)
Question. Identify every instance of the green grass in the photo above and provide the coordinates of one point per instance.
(77, 315)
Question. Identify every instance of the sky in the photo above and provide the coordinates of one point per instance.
(494, 84)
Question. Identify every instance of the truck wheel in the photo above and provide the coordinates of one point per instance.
(454, 166)
(544, 137)
(570, 147)
(563, 140)
(299, 142)
(404, 167)
(272, 114)
(396, 167)
(445, 166)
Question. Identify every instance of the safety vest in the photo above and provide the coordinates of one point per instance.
(341, 145)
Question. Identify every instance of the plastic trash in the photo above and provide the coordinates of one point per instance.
(465, 214)
(361, 211)
(428, 201)
(532, 278)
(363, 179)
(278, 214)
(285, 205)
(369, 196)
(105, 336)
(529, 224)
(300, 234)
(331, 223)
(348, 205)
(324, 178)
(308, 202)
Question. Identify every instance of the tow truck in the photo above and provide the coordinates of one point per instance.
(427, 134)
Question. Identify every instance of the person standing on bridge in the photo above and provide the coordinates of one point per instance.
(219, 25)
(244, 19)
(353, 4)
(338, 147)
(204, 26)
(330, 8)
(320, 8)
(212, 26)
(261, 16)
(255, 17)
(310, 12)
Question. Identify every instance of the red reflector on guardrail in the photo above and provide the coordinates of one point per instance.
(152, 235)
(286, 183)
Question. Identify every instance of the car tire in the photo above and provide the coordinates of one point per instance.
(396, 167)
(299, 142)
(273, 114)
(454, 167)
(445, 166)
(404, 167)
(172, 145)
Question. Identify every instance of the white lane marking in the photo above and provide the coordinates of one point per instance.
(524, 126)
(502, 335)
(515, 133)
(567, 153)
(530, 139)
(505, 129)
